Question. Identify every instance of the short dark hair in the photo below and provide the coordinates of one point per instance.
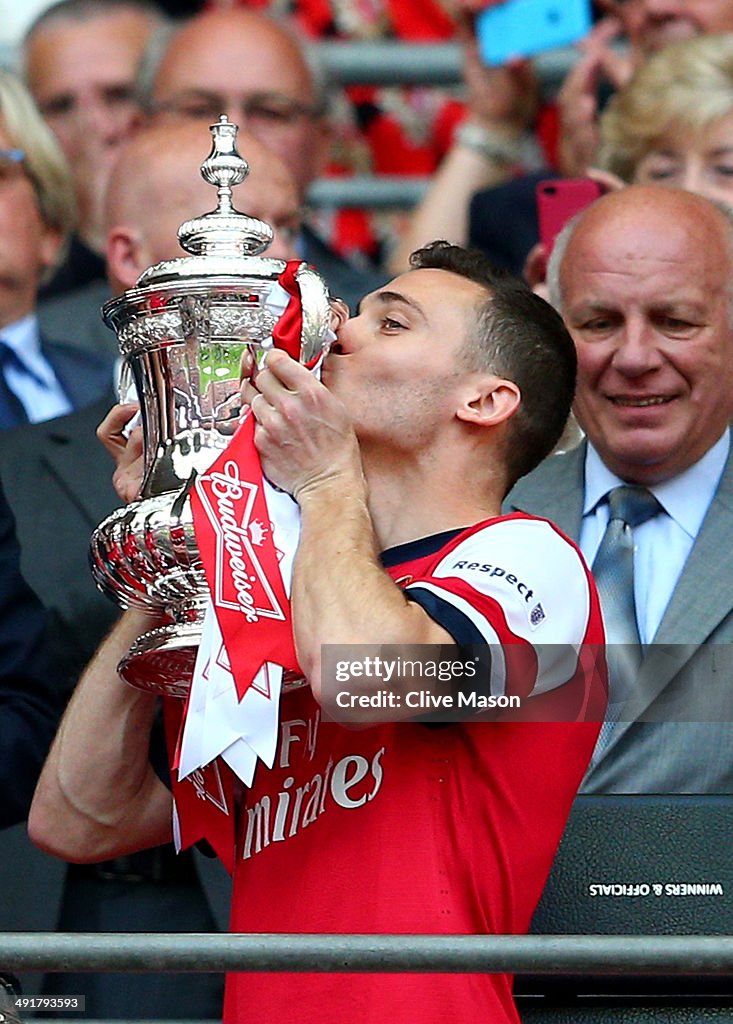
(522, 338)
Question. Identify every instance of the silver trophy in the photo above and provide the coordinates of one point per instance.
(183, 332)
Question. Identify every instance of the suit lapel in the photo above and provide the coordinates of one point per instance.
(70, 440)
(704, 592)
(554, 490)
(703, 596)
(84, 376)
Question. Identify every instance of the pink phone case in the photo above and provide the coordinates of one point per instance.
(558, 201)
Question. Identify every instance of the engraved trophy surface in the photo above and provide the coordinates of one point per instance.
(183, 331)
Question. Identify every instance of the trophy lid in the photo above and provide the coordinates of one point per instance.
(225, 291)
(224, 241)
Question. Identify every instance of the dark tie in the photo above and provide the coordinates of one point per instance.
(613, 569)
(12, 411)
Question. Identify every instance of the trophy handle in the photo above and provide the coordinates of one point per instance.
(314, 301)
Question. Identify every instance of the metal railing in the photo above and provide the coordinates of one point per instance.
(383, 191)
(665, 955)
(395, 63)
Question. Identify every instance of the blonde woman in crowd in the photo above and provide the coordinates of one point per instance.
(673, 123)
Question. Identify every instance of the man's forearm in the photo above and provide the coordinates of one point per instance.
(341, 594)
(98, 795)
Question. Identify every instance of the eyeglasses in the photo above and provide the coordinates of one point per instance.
(267, 109)
(11, 161)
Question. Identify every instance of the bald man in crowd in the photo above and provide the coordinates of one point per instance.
(643, 280)
(58, 482)
(80, 61)
(247, 65)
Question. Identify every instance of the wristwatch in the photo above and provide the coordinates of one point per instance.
(490, 144)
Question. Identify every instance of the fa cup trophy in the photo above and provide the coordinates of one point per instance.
(183, 332)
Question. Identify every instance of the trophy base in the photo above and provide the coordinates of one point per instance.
(162, 661)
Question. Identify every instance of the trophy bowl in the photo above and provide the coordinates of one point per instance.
(183, 332)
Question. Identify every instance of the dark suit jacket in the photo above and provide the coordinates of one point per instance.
(58, 481)
(75, 319)
(503, 221)
(80, 266)
(680, 738)
(59, 485)
(29, 708)
(85, 376)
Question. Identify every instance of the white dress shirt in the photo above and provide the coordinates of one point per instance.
(662, 544)
(37, 386)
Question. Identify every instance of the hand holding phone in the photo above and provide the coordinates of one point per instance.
(523, 28)
(558, 201)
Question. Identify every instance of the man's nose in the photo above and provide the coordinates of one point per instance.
(106, 125)
(637, 351)
(691, 179)
(237, 113)
(344, 328)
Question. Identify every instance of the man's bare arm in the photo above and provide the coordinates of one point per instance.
(98, 796)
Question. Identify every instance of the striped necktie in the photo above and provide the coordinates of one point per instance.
(12, 410)
(613, 569)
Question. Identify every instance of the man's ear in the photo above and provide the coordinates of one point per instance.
(126, 258)
(489, 401)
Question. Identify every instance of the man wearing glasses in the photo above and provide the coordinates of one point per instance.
(244, 64)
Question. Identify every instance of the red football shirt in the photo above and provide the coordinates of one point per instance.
(417, 829)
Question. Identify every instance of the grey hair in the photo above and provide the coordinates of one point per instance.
(555, 261)
(685, 86)
(44, 162)
(157, 44)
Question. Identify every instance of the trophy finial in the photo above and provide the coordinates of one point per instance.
(224, 166)
(226, 231)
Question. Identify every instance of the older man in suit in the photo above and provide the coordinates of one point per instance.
(246, 64)
(643, 279)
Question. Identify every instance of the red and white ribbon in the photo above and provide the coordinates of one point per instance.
(247, 534)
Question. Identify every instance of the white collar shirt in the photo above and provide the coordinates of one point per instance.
(663, 543)
(36, 384)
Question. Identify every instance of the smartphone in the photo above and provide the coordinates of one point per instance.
(522, 28)
(558, 201)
